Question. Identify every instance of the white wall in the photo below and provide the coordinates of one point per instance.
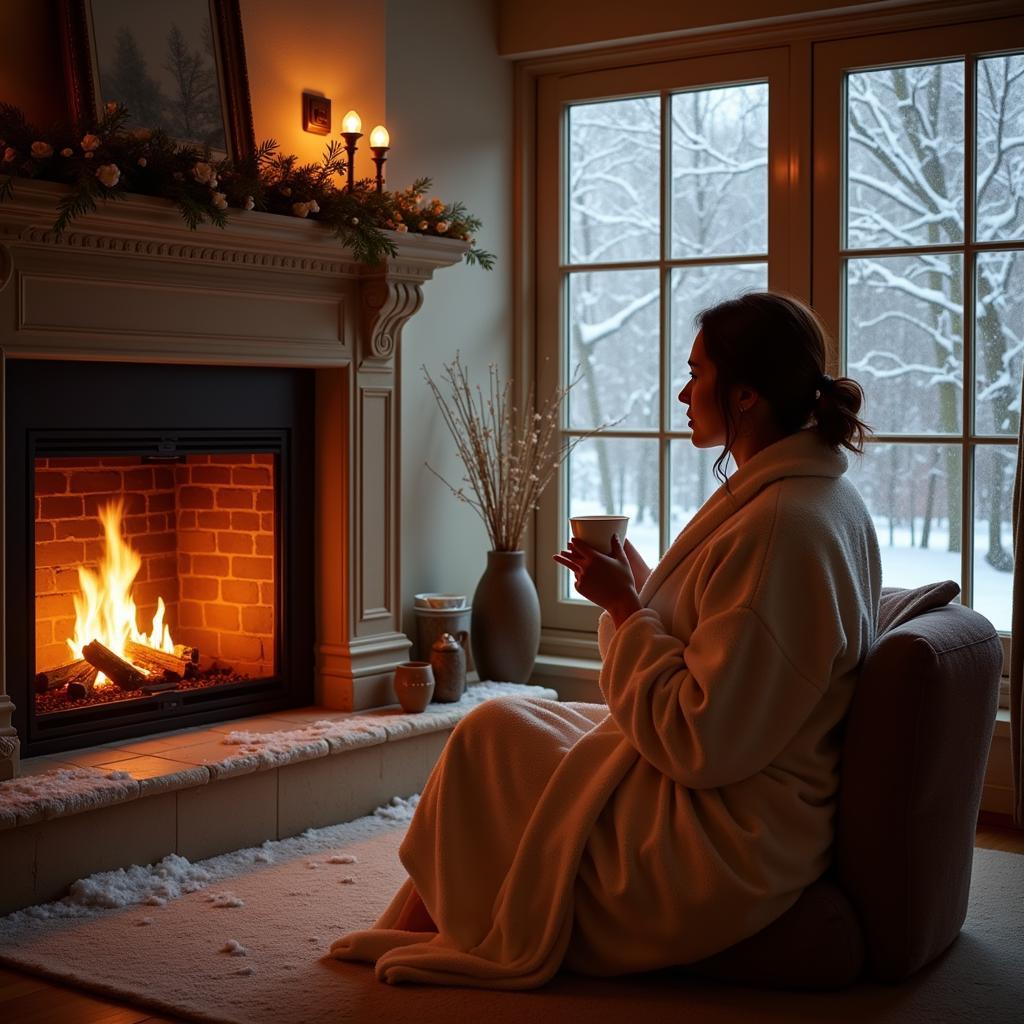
(449, 103)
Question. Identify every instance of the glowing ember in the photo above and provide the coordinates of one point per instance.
(105, 610)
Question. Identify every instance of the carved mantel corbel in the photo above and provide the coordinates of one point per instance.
(386, 304)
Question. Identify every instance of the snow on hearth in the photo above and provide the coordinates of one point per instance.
(71, 790)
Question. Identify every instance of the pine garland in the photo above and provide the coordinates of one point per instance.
(107, 160)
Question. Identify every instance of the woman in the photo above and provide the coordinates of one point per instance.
(693, 810)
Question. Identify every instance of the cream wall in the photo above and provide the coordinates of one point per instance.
(333, 47)
(449, 101)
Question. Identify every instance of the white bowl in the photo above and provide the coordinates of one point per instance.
(450, 601)
(597, 530)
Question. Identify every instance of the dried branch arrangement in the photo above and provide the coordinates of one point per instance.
(509, 453)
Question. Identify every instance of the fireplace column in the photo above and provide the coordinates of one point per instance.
(361, 639)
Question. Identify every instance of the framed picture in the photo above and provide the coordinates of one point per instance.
(177, 65)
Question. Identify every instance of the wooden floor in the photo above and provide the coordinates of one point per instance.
(25, 999)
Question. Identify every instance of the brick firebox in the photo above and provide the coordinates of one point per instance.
(204, 531)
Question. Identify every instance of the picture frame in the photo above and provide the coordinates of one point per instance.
(177, 65)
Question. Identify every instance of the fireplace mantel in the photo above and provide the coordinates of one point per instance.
(131, 282)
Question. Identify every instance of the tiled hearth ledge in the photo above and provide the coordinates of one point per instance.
(200, 792)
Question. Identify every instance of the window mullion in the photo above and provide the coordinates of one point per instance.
(665, 312)
(967, 474)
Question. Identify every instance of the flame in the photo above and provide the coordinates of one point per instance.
(104, 610)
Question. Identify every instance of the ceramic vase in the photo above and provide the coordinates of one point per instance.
(414, 685)
(504, 631)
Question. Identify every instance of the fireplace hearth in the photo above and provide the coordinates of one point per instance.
(157, 530)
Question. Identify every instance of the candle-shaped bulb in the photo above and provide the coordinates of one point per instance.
(379, 138)
(352, 122)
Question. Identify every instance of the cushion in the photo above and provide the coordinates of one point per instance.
(914, 754)
(898, 606)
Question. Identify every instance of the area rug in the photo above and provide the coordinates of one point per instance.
(242, 938)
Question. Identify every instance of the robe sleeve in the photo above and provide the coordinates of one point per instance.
(710, 712)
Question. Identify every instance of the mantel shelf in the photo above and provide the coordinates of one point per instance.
(307, 246)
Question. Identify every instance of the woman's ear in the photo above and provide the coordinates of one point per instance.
(746, 398)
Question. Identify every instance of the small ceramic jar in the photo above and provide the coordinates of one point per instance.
(414, 685)
(448, 660)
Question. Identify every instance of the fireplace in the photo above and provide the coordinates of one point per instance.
(207, 314)
(168, 576)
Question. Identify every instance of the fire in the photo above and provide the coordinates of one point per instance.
(105, 610)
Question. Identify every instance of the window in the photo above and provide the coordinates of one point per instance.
(664, 187)
(924, 228)
(664, 203)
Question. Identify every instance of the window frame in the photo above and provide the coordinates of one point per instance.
(556, 95)
(568, 649)
(833, 60)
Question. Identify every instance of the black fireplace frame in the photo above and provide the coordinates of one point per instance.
(161, 413)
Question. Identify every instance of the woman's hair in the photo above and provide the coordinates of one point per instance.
(776, 345)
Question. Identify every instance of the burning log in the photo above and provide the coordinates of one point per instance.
(117, 670)
(54, 678)
(160, 662)
(187, 653)
(81, 686)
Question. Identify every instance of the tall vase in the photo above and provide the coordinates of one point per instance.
(505, 626)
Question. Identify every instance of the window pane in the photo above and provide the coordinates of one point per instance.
(695, 289)
(1000, 183)
(993, 532)
(691, 482)
(613, 340)
(616, 476)
(720, 171)
(904, 331)
(905, 156)
(913, 494)
(999, 335)
(613, 180)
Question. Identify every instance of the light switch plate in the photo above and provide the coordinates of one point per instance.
(316, 114)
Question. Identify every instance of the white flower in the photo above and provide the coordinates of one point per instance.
(300, 209)
(90, 142)
(109, 174)
(314, 206)
(249, 203)
(220, 201)
(354, 222)
(9, 155)
(67, 151)
(42, 149)
(203, 173)
(400, 227)
(423, 225)
(442, 226)
(143, 161)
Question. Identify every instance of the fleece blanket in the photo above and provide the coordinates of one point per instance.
(692, 810)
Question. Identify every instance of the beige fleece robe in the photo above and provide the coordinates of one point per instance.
(692, 810)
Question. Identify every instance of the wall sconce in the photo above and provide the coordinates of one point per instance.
(351, 132)
(380, 142)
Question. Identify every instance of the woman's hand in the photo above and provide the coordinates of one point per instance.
(640, 568)
(607, 580)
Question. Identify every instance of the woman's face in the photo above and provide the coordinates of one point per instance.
(703, 414)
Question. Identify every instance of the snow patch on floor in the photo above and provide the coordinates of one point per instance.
(175, 876)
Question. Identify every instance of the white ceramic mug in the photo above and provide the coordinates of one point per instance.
(597, 530)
